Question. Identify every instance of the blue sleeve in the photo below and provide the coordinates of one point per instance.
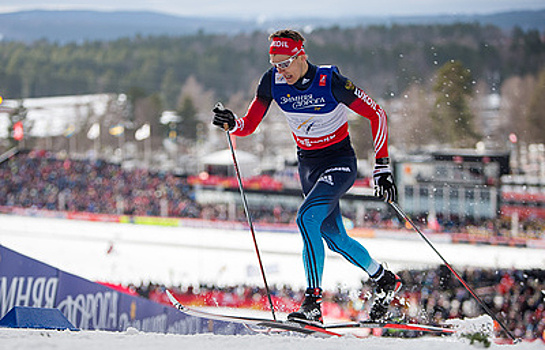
(342, 88)
(264, 92)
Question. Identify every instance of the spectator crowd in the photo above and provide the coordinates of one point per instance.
(42, 180)
(38, 179)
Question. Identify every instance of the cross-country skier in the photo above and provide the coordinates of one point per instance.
(315, 100)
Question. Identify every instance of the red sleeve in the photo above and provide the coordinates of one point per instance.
(368, 108)
(247, 124)
(258, 107)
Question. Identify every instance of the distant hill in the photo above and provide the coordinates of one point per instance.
(69, 26)
(77, 26)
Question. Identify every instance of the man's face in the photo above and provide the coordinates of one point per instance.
(296, 69)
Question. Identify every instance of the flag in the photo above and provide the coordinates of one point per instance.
(94, 131)
(143, 132)
(117, 130)
(18, 132)
(69, 131)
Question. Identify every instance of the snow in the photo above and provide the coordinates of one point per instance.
(188, 255)
(482, 324)
(22, 339)
(184, 255)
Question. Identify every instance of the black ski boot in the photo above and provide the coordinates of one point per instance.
(310, 311)
(387, 284)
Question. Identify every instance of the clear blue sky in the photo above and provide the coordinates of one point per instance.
(285, 8)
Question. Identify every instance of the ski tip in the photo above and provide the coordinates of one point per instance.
(172, 298)
(175, 301)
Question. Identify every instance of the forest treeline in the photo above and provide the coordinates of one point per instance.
(384, 60)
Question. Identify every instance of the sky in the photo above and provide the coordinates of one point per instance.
(289, 9)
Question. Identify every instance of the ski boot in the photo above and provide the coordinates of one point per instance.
(387, 284)
(310, 311)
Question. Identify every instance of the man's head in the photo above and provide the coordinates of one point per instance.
(287, 54)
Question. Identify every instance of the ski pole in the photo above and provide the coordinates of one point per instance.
(462, 281)
(219, 105)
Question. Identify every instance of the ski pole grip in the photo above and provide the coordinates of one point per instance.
(219, 106)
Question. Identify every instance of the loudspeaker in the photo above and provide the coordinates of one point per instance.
(33, 317)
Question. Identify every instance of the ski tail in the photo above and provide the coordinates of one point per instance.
(392, 325)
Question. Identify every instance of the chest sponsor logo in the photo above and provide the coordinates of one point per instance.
(303, 101)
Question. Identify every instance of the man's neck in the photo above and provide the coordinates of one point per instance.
(305, 81)
(305, 67)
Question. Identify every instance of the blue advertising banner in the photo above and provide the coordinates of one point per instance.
(87, 305)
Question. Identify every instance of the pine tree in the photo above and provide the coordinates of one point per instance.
(536, 112)
(452, 119)
(188, 112)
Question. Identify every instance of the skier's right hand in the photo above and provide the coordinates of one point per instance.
(223, 119)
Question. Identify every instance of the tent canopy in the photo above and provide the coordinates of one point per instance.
(224, 157)
(221, 162)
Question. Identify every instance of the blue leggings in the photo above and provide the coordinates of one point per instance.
(324, 181)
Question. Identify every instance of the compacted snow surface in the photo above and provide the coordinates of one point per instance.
(22, 339)
(127, 253)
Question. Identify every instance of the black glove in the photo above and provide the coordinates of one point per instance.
(385, 186)
(223, 117)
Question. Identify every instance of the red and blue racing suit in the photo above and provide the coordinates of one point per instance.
(316, 110)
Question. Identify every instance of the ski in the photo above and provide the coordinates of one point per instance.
(302, 328)
(327, 330)
(392, 325)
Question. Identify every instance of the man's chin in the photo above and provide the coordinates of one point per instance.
(291, 80)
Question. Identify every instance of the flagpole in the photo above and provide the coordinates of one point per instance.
(96, 143)
(144, 134)
(147, 151)
(94, 134)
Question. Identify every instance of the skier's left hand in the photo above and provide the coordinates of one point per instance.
(385, 186)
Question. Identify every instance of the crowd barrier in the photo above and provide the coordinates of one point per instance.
(26, 282)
